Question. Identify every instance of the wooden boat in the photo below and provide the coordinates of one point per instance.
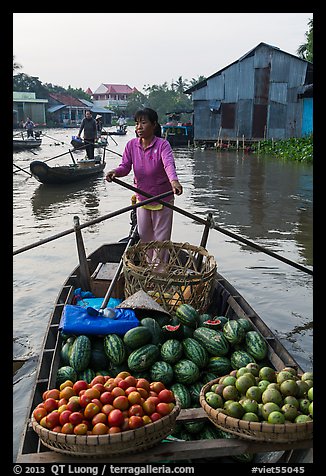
(62, 174)
(176, 131)
(226, 301)
(120, 131)
(22, 144)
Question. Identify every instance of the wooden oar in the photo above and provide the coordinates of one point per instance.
(218, 228)
(23, 170)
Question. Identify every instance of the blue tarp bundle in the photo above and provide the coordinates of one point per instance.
(76, 320)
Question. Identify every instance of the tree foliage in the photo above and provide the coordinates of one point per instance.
(305, 51)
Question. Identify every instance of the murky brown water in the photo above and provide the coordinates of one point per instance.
(265, 200)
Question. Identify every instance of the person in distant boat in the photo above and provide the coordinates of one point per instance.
(152, 160)
(99, 125)
(29, 126)
(121, 123)
(88, 125)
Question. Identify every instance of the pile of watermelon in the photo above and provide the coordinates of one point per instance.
(183, 352)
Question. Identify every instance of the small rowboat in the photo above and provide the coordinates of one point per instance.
(22, 144)
(225, 300)
(57, 175)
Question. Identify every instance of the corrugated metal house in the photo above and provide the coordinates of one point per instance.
(261, 95)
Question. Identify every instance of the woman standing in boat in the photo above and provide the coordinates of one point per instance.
(152, 160)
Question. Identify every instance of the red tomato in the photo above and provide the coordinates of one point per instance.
(147, 419)
(114, 429)
(155, 416)
(115, 417)
(123, 374)
(80, 385)
(123, 384)
(75, 418)
(84, 400)
(130, 389)
(67, 392)
(100, 387)
(135, 422)
(149, 406)
(92, 392)
(98, 379)
(52, 419)
(67, 383)
(136, 410)
(80, 429)
(53, 393)
(125, 424)
(166, 396)
(143, 383)
(121, 402)
(132, 381)
(62, 401)
(91, 410)
(164, 408)
(107, 408)
(143, 392)
(97, 402)
(73, 404)
(39, 413)
(100, 429)
(116, 391)
(50, 404)
(43, 423)
(157, 386)
(134, 397)
(99, 418)
(156, 400)
(106, 397)
(64, 417)
(67, 428)
(57, 429)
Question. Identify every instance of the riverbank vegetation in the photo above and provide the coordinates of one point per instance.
(300, 149)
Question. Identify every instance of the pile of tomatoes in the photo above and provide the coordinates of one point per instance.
(105, 405)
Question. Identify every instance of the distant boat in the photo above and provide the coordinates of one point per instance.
(26, 143)
(120, 131)
(62, 174)
(176, 132)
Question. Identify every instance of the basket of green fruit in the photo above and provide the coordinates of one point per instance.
(261, 404)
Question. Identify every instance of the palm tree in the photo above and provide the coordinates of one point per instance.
(305, 51)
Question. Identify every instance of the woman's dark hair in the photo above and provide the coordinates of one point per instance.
(152, 116)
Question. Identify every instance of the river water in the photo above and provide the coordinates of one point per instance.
(264, 199)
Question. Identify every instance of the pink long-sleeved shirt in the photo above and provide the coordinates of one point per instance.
(153, 167)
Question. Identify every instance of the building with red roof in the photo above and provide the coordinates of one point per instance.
(112, 95)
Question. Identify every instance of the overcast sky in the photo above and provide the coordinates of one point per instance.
(87, 49)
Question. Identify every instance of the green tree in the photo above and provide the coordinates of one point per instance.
(16, 66)
(305, 51)
(23, 82)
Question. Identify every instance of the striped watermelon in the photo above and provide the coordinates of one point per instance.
(154, 328)
(171, 351)
(187, 315)
(186, 371)
(245, 323)
(194, 426)
(64, 373)
(161, 372)
(114, 349)
(143, 358)
(213, 341)
(80, 354)
(233, 331)
(65, 352)
(219, 365)
(240, 358)
(137, 337)
(182, 394)
(87, 375)
(256, 345)
(194, 390)
(195, 352)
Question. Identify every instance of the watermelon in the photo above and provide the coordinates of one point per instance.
(143, 358)
(154, 328)
(202, 318)
(209, 432)
(114, 349)
(194, 390)
(80, 354)
(213, 341)
(186, 371)
(233, 331)
(212, 324)
(137, 337)
(171, 351)
(172, 332)
(245, 323)
(187, 315)
(195, 352)
(206, 377)
(65, 352)
(99, 359)
(186, 331)
(219, 365)
(240, 358)
(161, 371)
(64, 373)
(256, 345)
(182, 394)
(87, 375)
(194, 426)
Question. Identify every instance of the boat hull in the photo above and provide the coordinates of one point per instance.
(64, 174)
(225, 300)
(21, 144)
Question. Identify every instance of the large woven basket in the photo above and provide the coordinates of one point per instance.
(130, 441)
(171, 273)
(259, 431)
